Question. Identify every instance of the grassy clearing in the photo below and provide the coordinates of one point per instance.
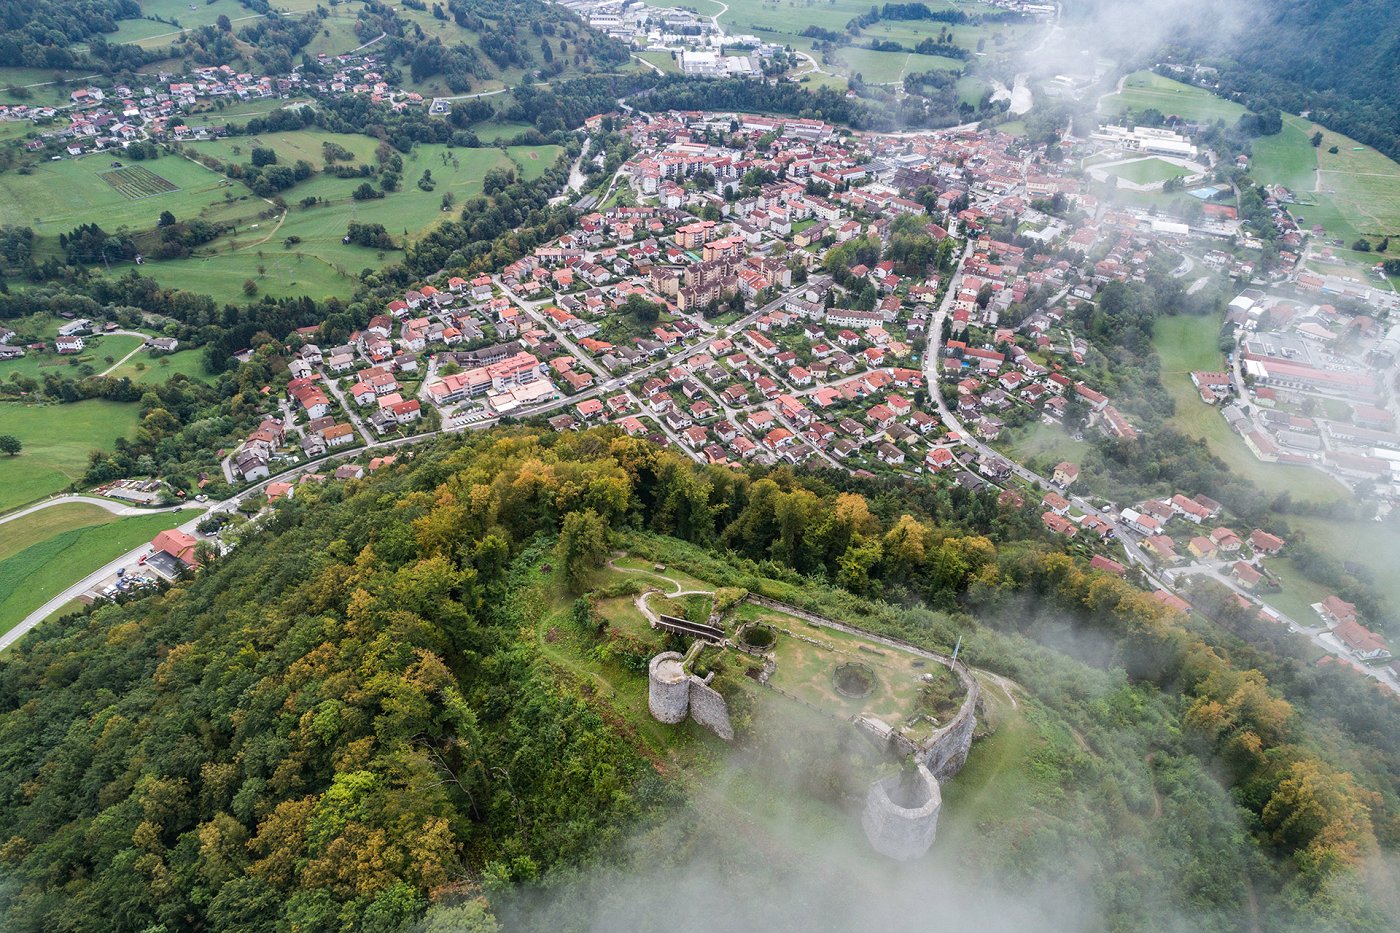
(37, 365)
(1298, 594)
(289, 145)
(319, 264)
(1145, 89)
(662, 60)
(148, 369)
(1363, 183)
(1287, 158)
(58, 196)
(1185, 344)
(39, 526)
(492, 130)
(1147, 171)
(57, 440)
(1041, 441)
(41, 571)
(178, 16)
(1369, 544)
(38, 87)
(222, 110)
(891, 67)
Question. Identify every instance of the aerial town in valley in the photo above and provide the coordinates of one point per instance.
(732, 302)
(503, 465)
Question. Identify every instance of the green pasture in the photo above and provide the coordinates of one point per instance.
(21, 533)
(41, 571)
(1287, 158)
(57, 440)
(891, 67)
(151, 33)
(491, 130)
(147, 368)
(36, 365)
(662, 60)
(58, 196)
(320, 264)
(39, 87)
(290, 145)
(1371, 544)
(1146, 89)
(1147, 171)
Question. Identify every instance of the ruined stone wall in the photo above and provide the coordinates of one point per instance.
(708, 708)
(901, 815)
(945, 751)
(673, 694)
(668, 688)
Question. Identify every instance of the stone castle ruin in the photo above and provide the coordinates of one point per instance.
(900, 817)
(901, 813)
(673, 693)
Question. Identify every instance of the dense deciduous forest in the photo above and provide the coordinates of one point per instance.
(339, 724)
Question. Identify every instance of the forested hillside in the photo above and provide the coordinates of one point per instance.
(344, 725)
(460, 42)
(1338, 58)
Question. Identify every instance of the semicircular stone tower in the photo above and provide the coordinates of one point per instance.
(668, 688)
(901, 814)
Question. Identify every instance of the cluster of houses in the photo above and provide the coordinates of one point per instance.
(97, 119)
(1345, 627)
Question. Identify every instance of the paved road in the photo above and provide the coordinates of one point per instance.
(116, 508)
(1312, 632)
(82, 586)
(199, 513)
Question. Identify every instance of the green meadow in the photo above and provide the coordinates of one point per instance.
(41, 571)
(57, 440)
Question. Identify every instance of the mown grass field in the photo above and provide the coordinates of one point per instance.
(21, 533)
(58, 196)
(148, 369)
(1370, 544)
(1146, 89)
(1147, 171)
(57, 440)
(1041, 441)
(41, 571)
(1186, 343)
(319, 264)
(36, 365)
(40, 86)
(891, 67)
(1287, 158)
(663, 60)
(151, 33)
(1299, 593)
(492, 130)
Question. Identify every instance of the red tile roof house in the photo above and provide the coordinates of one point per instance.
(178, 544)
(1364, 643)
(1336, 611)
(1099, 562)
(1246, 574)
(1171, 601)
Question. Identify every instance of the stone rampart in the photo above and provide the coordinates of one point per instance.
(708, 708)
(945, 751)
(901, 814)
(668, 688)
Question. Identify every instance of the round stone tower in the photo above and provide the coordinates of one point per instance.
(668, 688)
(901, 814)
